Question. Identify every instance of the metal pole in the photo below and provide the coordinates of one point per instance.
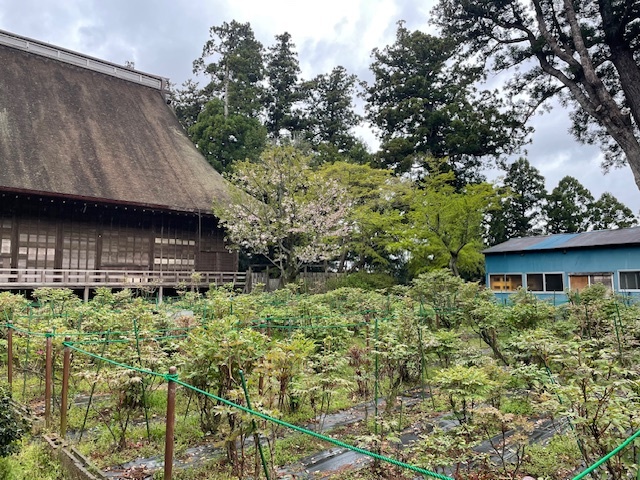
(171, 420)
(10, 357)
(48, 380)
(66, 366)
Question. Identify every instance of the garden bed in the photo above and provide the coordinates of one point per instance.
(497, 391)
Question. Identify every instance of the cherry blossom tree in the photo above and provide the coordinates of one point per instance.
(285, 211)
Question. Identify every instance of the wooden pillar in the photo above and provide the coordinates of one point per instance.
(66, 366)
(48, 379)
(169, 431)
(86, 294)
(160, 292)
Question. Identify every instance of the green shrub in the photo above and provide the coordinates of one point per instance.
(555, 461)
(363, 280)
(12, 426)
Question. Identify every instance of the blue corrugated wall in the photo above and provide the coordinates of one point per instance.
(565, 262)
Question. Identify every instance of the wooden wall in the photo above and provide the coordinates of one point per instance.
(43, 232)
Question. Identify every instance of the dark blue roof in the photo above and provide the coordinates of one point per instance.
(563, 241)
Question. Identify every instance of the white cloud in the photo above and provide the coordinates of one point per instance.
(165, 37)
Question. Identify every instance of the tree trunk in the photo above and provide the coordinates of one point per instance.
(453, 263)
(622, 57)
(226, 91)
(588, 89)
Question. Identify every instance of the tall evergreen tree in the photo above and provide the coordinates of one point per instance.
(329, 112)
(282, 90)
(188, 102)
(568, 207)
(423, 107)
(607, 213)
(225, 139)
(520, 212)
(233, 59)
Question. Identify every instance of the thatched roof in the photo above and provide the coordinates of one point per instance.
(70, 131)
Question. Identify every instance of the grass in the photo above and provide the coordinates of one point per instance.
(295, 447)
(33, 461)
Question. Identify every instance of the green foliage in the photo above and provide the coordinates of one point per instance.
(520, 209)
(11, 304)
(556, 460)
(570, 364)
(568, 207)
(329, 111)
(464, 388)
(362, 280)
(542, 52)
(12, 426)
(236, 69)
(226, 139)
(423, 106)
(445, 226)
(33, 461)
(441, 290)
(378, 203)
(282, 71)
(608, 213)
(187, 103)
(58, 300)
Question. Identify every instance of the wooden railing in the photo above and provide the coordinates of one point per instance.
(13, 278)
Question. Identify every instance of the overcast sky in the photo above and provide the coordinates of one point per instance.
(164, 37)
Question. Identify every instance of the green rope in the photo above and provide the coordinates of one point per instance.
(113, 362)
(608, 456)
(294, 327)
(174, 378)
(99, 342)
(319, 436)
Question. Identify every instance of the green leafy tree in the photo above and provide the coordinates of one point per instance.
(329, 113)
(423, 106)
(285, 211)
(226, 139)
(585, 53)
(188, 102)
(607, 212)
(233, 59)
(520, 211)
(377, 206)
(282, 90)
(445, 226)
(568, 207)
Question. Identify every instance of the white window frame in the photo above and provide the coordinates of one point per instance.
(620, 283)
(591, 274)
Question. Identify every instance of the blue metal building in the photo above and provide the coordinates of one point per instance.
(551, 265)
